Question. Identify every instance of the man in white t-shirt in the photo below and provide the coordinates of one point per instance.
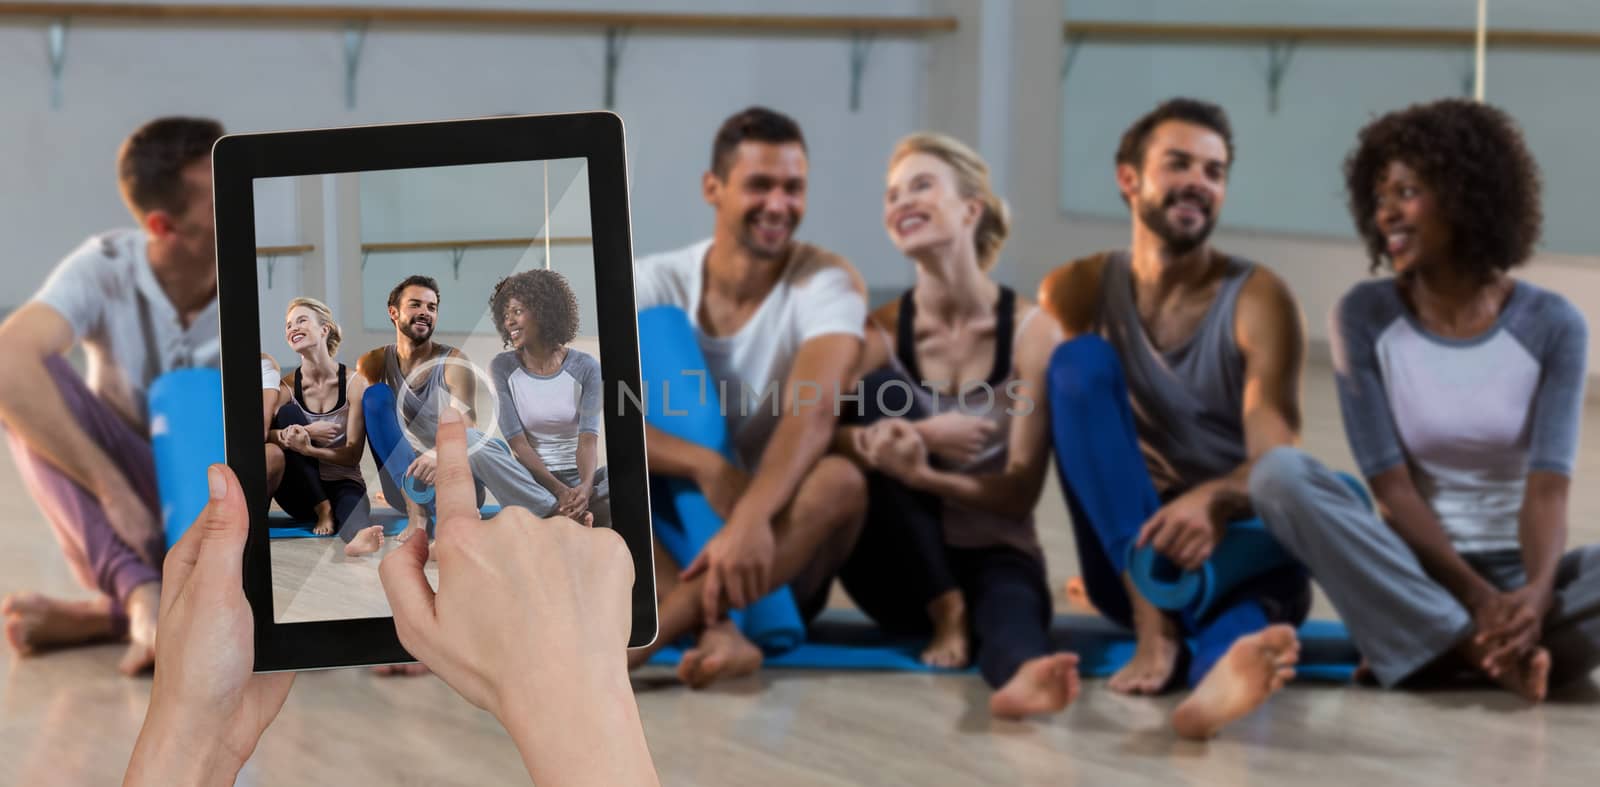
(774, 318)
(141, 302)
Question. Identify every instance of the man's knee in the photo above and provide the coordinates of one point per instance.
(1084, 367)
(835, 490)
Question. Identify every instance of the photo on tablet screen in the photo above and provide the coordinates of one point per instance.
(385, 295)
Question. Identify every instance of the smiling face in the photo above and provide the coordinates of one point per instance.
(303, 330)
(521, 330)
(416, 314)
(763, 197)
(923, 208)
(1406, 214)
(1178, 191)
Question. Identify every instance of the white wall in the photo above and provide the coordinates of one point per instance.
(57, 184)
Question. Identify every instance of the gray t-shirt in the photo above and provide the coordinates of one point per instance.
(551, 409)
(1470, 417)
(131, 332)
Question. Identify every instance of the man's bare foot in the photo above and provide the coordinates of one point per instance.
(1155, 652)
(1154, 658)
(722, 652)
(401, 670)
(949, 648)
(1044, 684)
(35, 622)
(1252, 670)
(369, 540)
(142, 606)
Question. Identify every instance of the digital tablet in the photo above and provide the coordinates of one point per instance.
(370, 275)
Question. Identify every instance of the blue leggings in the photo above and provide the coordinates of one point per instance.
(391, 451)
(1111, 496)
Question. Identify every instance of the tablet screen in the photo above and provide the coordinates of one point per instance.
(386, 295)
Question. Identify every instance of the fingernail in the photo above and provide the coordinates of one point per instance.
(218, 484)
(448, 414)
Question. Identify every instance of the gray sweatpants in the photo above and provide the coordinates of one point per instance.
(1400, 618)
(494, 466)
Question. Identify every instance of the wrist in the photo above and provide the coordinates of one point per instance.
(555, 713)
(174, 749)
(708, 466)
(1475, 593)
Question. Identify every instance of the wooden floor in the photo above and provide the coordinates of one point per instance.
(68, 718)
(313, 580)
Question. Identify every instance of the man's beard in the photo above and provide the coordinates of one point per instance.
(1178, 240)
(411, 327)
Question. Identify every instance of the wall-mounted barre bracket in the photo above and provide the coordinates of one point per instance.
(616, 40)
(1074, 43)
(455, 261)
(1279, 55)
(355, 37)
(364, 256)
(860, 47)
(1469, 76)
(272, 263)
(57, 39)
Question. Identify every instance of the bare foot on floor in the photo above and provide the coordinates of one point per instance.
(1529, 679)
(1154, 659)
(142, 605)
(401, 670)
(35, 622)
(324, 527)
(1253, 669)
(369, 540)
(721, 653)
(1045, 684)
(949, 648)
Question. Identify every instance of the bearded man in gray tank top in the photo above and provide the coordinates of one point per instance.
(1181, 367)
(449, 381)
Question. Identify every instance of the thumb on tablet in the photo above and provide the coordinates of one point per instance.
(410, 595)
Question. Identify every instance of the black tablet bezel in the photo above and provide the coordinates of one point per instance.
(238, 160)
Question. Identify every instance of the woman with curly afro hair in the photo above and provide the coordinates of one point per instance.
(550, 394)
(1462, 390)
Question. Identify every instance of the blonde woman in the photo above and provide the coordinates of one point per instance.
(955, 439)
(322, 433)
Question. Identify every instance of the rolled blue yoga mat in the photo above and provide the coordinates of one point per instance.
(1245, 552)
(680, 405)
(186, 437)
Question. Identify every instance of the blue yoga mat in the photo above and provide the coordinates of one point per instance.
(845, 640)
(679, 405)
(1246, 551)
(185, 408)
